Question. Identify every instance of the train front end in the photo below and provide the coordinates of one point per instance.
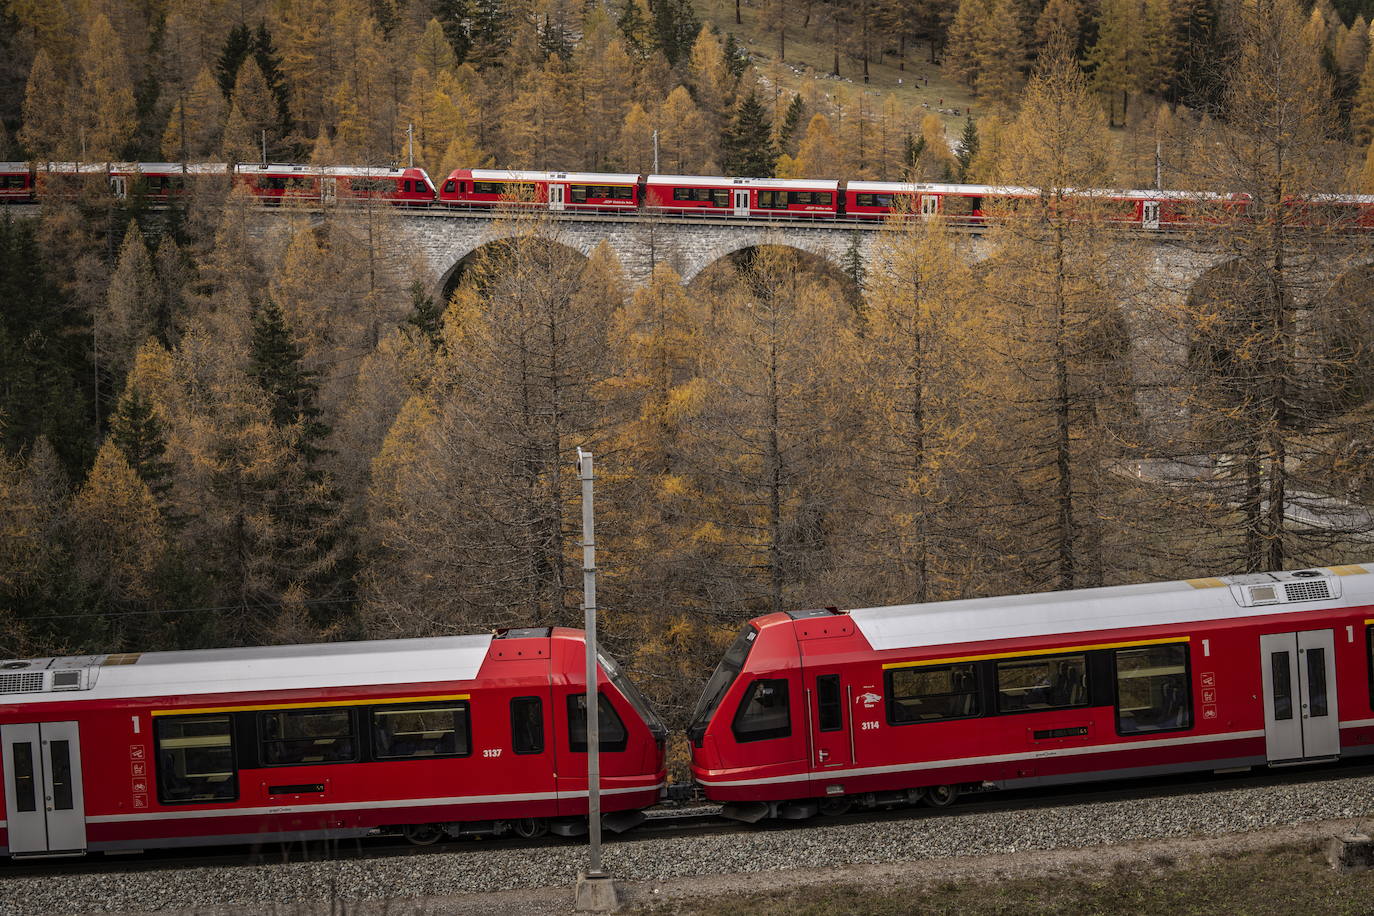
(745, 744)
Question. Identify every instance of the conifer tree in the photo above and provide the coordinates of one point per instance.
(136, 429)
(134, 308)
(791, 122)
(968, 148)
(116, 522)
(108, 117)
(818, 156)
(237, 46)
(275, 363)
(454, 17)
(47, 130)
(747, 144)
(1362, 106)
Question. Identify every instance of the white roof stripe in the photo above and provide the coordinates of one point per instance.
(270, 668)
(915, 626)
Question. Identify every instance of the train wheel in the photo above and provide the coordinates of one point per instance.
(531, 827)
(941, 796)
(834, 807)
(422, 834)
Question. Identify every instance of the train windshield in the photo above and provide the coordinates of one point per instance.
(724, 675)
(630, 692)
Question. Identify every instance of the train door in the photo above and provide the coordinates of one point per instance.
(329, 189)
(1300, 715)
(557, 196)
(930, 205)
(119, 185)
(741, 203)
(1149, 214)
(43, 798)
(831, 723)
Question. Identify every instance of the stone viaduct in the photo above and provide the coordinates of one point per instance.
(1164, 269)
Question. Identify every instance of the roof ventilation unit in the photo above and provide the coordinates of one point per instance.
(1261, 589)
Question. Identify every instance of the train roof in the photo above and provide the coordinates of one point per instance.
(520, 175)
(180, 168)
(368, 171)
(976, 620)
(14, 166)
(698, 181)
(259, 668)
(907, 187)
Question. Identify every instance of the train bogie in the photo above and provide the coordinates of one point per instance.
(882, 703)
(425, 737)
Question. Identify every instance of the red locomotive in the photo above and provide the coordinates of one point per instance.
(821, 710)
(455, 735)
(585, 191)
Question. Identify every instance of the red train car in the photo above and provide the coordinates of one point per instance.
(586, 191)
(17, 185)
(276, 184)
(683, 195)
(819, 710)
(455, 735)
(161, 181)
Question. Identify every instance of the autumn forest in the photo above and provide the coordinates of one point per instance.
(210, 437)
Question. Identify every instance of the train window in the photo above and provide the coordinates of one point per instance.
(24, 782)
(579, 193)
(682, 193)
(801, 197)
(763, 713)
(829, 709)
(1042, 683)
(1369, 660)
(487, 187)
(1152, 693)
(613, 734)
(825, 198)
(925, 694)
(720, 198)
(527, 725)
(704, 194)
(958, 205)
(370, 185)
(296, 736)
(431, 730)
(773, 200)
(624, 193)
(1316, 682)
(864, 200)
(195, 759)
(1283, 686)
(449, 186)
(882, 200)
(60, 755)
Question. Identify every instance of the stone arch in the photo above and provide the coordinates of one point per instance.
(467, 255)
(818, 258)
(1329, 355)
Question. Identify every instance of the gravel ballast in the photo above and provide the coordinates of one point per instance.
(477, 869)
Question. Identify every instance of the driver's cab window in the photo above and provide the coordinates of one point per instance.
(763, 713)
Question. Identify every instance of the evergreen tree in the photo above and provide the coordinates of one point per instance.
(736, 57)
(747, 144)
(426, 314)
(136, 429)
(276, 364)
(634, 25)
(236, 49)
(491, 34)
(791, 120)
(269, 62)
(968, 147)
(675, 28)
(454, 17)
(853, 261)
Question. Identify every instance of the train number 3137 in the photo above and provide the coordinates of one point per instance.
(492, 752)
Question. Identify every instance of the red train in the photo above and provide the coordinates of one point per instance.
(817, 711)
(669, 195)
(426, 737)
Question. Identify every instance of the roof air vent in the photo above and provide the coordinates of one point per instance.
(1315, 590)
(67, 680)
(22, 682)
(12, 666)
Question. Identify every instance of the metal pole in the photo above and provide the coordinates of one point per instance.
(410, 139)
(584, 470)
(264, 149)
(655, 151)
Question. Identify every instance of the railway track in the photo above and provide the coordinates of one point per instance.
(702, 821)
